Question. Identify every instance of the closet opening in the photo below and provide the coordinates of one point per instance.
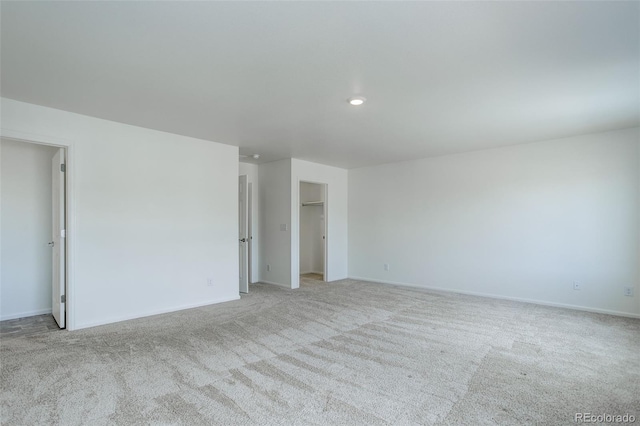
(313, 232)
(34, 248)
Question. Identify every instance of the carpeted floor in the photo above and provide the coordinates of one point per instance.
(29, 326)
(348, 353)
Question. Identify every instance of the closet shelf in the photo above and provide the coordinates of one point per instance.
(313, 203)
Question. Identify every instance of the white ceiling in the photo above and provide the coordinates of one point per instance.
(273, 77)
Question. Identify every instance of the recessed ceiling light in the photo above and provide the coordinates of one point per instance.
(254, 156)
(356, 100)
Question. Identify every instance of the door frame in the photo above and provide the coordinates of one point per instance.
(70, 204)
(295, 279)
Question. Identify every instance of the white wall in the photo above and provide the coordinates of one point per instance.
(251, 170)
(519, 222)
(337, 238)
(155, 215)
(275, 214)
(311, 229)
(279, 207)
(25, 217)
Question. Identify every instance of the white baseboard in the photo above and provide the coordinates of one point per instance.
(156, 312)
(25, 314)
(332, 279)
(501, 297)
(275, 283)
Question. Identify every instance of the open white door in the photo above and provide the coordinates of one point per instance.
(58, 292)
(250, 233)
(325, 231)
(243, 226)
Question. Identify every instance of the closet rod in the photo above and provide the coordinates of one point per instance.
(313, 203)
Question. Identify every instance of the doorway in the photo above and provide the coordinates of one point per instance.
(312, 233)
(34, 249)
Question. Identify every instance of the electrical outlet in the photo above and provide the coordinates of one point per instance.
(268, 268)
(386, 266)
(210, 282)
(577, 285)
(628, 291)
(284, 227)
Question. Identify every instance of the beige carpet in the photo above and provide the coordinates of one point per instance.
(348, 353)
